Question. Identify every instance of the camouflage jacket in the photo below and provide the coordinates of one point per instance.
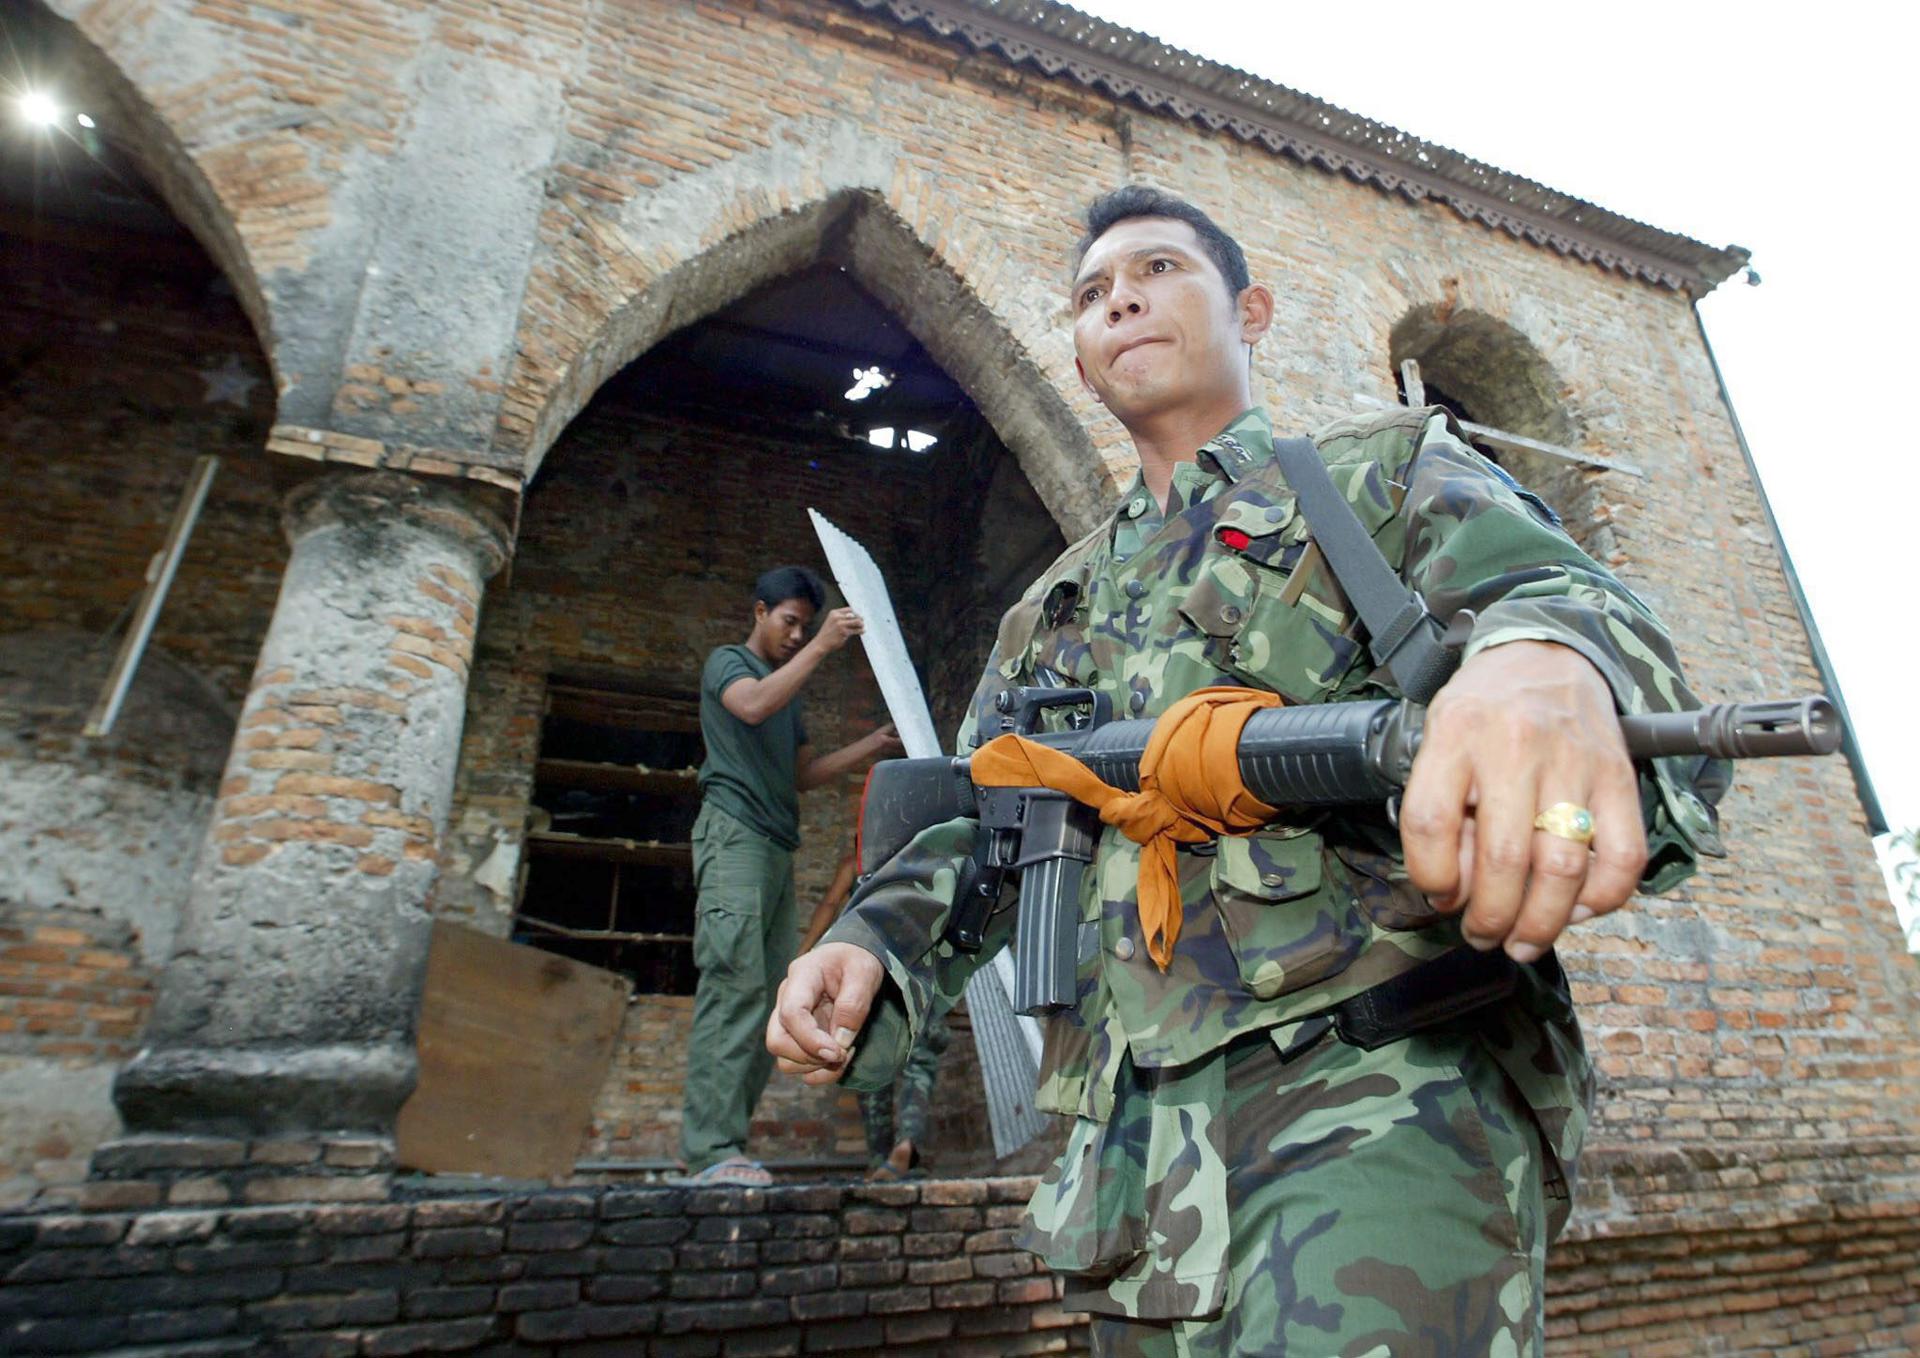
(1283, 923)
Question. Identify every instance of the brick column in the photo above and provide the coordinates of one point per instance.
(290, 1002)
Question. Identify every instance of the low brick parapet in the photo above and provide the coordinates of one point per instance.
(916, 1268)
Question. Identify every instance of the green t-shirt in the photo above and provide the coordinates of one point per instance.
(749, 770)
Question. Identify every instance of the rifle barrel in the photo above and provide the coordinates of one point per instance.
(1737, 730)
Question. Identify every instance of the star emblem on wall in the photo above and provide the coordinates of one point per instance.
(230, 383)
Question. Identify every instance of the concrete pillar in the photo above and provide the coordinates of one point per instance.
(290, 1001)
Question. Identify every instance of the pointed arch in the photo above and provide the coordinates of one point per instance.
(861, 231)
(1489, 371)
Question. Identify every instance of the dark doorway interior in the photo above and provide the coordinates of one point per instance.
(692, 471)
(610, 867)
(812, 354)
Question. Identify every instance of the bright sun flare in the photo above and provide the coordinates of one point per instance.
(39, 108)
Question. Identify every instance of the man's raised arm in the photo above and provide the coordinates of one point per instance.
(754, 700)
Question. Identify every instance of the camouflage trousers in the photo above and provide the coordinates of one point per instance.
(888, 1120)
(1334, 1203)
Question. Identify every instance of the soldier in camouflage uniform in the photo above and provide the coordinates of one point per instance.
(895, 1129)
(896, 1123)
(1238, 1179)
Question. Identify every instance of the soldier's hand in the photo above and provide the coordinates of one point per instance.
(821, 1008)
(1519, 728)
(886, 742)
(838, 628)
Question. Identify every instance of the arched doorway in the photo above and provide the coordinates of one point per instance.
(125, 358)
(860, 231)
(688, 473)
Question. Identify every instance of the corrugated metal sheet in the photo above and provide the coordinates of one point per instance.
(1062, 41)
(1009, 1051)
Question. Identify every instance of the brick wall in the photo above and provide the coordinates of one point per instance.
(73, 997)
(925, 1268)
(117, 369)
(69, 987)
(911, 1269)
(1824, 1268)
(120, 368)
(1758, 1023)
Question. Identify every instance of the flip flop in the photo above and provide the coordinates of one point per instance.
(736, 1171)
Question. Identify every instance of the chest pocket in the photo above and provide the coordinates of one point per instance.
(1060, 651)
(1250, 540)
(1275, 603)
(1263, 626)
(1049, 644)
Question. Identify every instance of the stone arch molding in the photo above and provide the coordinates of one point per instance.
(1496, 370)
(1488, 365)
(827, 192)
(376, 221)
(1422, 302)
(320, 294)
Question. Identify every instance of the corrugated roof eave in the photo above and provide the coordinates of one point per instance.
(1063, 42)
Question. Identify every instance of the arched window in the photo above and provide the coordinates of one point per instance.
(1494, 380)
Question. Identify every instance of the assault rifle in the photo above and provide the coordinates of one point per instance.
(1321, 755)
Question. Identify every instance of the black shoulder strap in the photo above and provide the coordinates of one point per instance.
(1403, 636)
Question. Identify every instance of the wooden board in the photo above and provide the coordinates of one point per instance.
(560, 844)
(617, 777)
(514, 1045)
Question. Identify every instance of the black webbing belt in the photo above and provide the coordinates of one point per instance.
(1431, 995)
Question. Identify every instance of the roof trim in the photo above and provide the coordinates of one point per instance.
(1129, 65)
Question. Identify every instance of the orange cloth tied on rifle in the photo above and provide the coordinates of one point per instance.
(1190, 791)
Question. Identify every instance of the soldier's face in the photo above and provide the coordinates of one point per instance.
(1153, 323)
(783, 628)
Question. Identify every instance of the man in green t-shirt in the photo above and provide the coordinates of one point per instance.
(758, 762)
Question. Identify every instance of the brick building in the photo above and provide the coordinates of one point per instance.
(522, 329)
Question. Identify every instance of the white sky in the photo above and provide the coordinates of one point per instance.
(1773, 127)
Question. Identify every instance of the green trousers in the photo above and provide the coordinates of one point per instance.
(1329, 1202)
(744, 936)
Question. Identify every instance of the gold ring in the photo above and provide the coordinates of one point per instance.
(1566, 821)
